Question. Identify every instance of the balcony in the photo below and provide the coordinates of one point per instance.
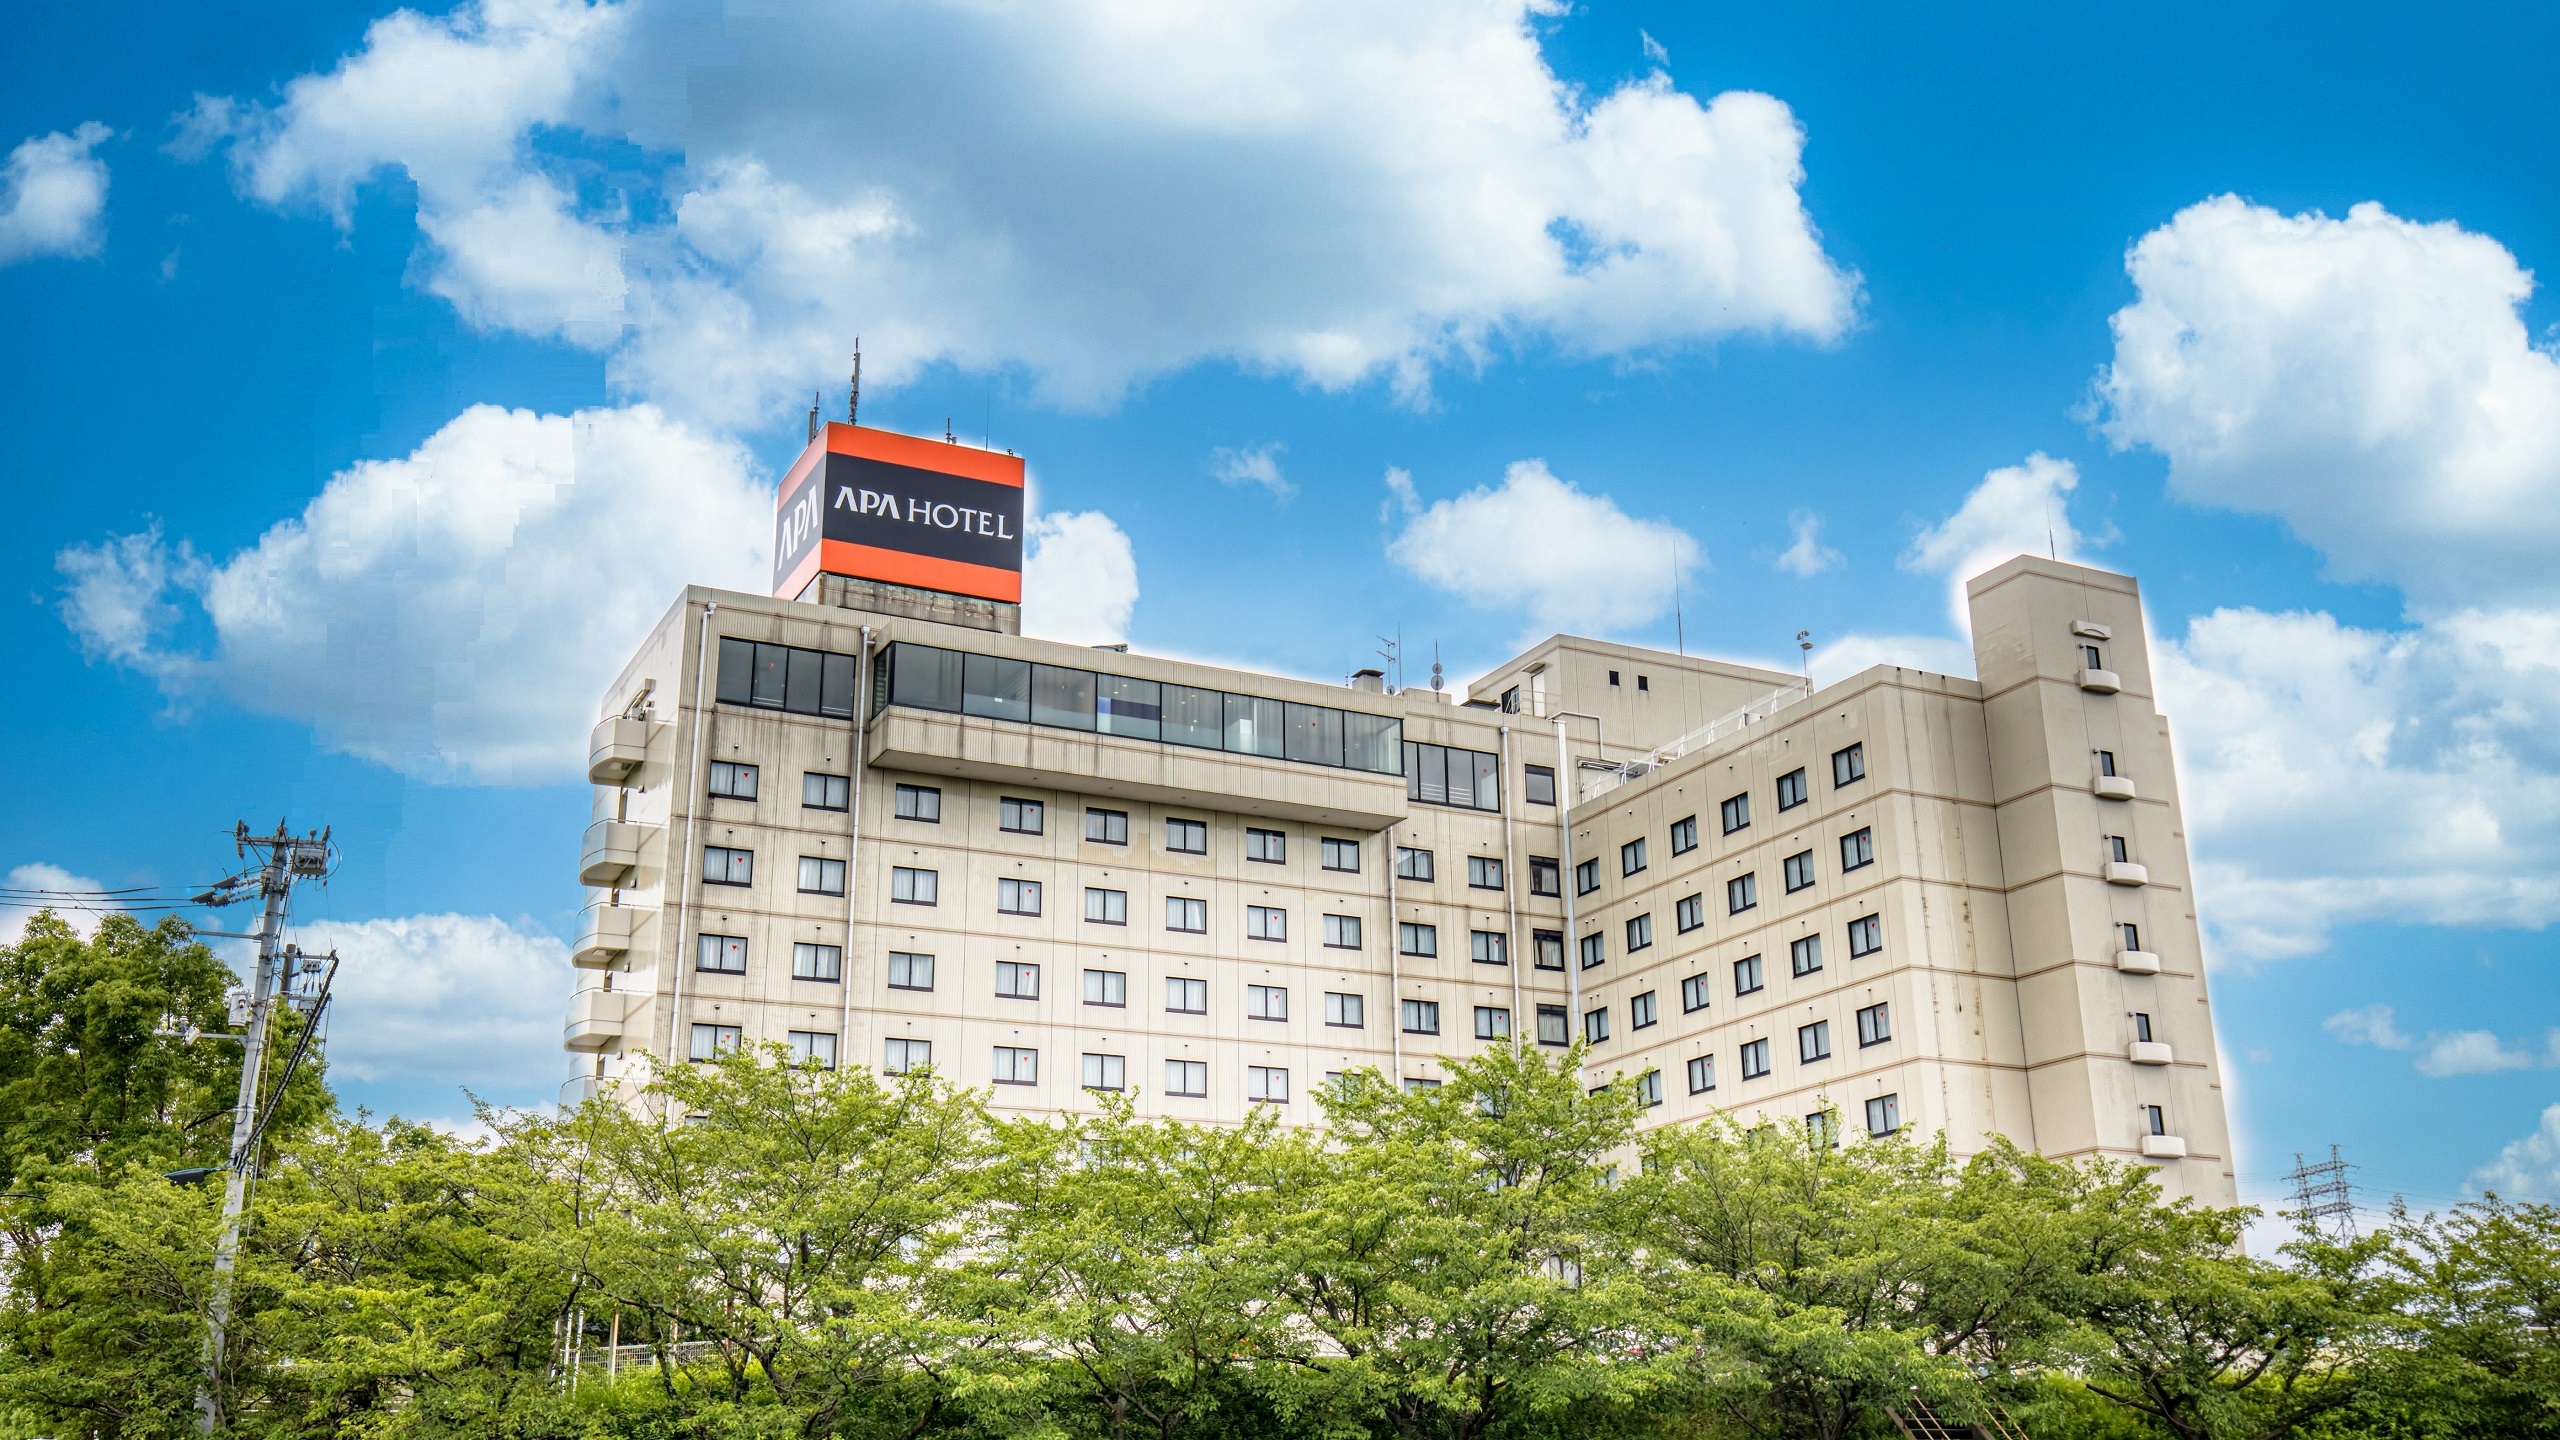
(581, 1089)
(2138, 962)
(2099, 682)
(610, 853)
(2164, 1147)
(596, 1018)
(605, 934)
(2125, 872)
(2148, 1052)
(2113, 787)
(615, 749)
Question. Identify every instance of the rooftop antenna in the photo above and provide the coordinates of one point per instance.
(1679, 627)
(853, 400)
(1393, 654)
(948, 436)
(1436, 680)
(813, 414)
(1804, 642)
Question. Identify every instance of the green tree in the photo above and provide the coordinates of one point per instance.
(2474, 1324)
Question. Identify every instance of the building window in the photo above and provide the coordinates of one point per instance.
(1347, 1012)
(1106, 1072)
(2107, 763)
(1107, 827)
(1857, 849)
(2142, 1027)
(1343, 855)
(1613, 677)
(1488, 947)
(1484, 873)
(1266, 1002)
(920, 802)
(1021, 817)
(1265, 922)
(1693, 993)
(1191, 917)
(1799, 870)
(1106, 907)
(1848, 766)
(1342, 932)
(1421, 1017)
(1755, 1059)
(710, 1042)
(1690, 913)
(812, 1047)
(1874, 1026)
(1702, 1074)
(782, 677)
(1746, 975)
(2090, 655)
(1106, 987)
(1631, 857)
(2116, 850)
(1741, 893)
(1639, 932)
(820, 791)
(1413, 939)
(1186, 837)
(1446, 775)
(733, 781)
(1186, 997)
(2132, 935)
(1413, 864)
(1538, 782)
(1737, 813)
(1017, 980)
(1804, 955)
(914, 887)
(817, 962)
(1595, 1025)
(1018, 897)
(1813, 1042)
(1644, 682)
(821, 876)
(1866, 936)
(1271, 847)
(1511, 700)
(1586, 877)
(1822, 1128)
(906, 1055)
(722, 865)
(1415, 1085)
(720, 954)
(910, 972)
(1649, 1088)
(1545, 876)
(1641, 1011)
(1595, 950)
(1884, 1115)
(1266, 1084)
(1492, 1023)
(1186, 1078)
(1684, 835)
(1555, 1027)
(2155, 1121)
(1792, 790)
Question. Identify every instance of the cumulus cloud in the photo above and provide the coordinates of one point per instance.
(453, 614)
(2527, 1169)
(1573, 560)
(2368, 381)
(20, 902)
(1079, 579)
(1258, 465)
(53, 196)
(1808, 556)
(461, 1000)
(2459, 1052)
(1094, 193)
(2368, 1025)
(2017, 510)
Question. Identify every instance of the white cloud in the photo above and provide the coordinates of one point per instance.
(1258, 465)
(456, 613)
(1094, 193)
(2369, 381)
(462, 1000)
(2368, 1025)
(2017, 510)
(65, 902)
(1839, 659)
(1573, 560)
(1654, 50)
(1808, 556)
(53, 196)
(2472, 1052)
(2527, 1169)
(1079, 579)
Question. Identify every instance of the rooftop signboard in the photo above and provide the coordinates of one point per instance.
(877, 505)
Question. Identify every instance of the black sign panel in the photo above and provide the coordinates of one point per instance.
(923, 512)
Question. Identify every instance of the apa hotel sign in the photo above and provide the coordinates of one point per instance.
(883, 506)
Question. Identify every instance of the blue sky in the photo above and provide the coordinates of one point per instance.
(1297, 314)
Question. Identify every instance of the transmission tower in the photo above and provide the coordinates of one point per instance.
(2321, 1192)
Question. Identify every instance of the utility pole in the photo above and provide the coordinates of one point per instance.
(288, 858)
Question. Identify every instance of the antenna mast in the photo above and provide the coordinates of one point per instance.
(853, 400)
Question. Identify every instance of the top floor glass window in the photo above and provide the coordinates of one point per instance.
(1447, 775)
(1848, 766)
(1538, 784)
(785, 677)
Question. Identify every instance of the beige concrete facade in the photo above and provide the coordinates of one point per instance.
(1988, 921)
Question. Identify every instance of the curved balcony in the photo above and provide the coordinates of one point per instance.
(2148, 1052)
(2164, 1147)
(616, 748)
(606, 933)
(2113, 787)
(2125, 872)
(2138, 962)
(596, 1018)
(2099, 682)
(609, 855)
